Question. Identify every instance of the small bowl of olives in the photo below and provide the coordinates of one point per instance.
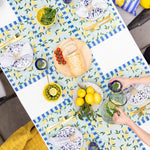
(52, 92)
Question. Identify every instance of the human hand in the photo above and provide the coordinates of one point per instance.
(125, 81)
(121, 118)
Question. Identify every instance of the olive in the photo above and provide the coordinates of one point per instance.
(55, 97)
(54, 86)
(57, 88)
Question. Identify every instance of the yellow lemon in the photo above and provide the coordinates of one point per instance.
(79, 101)
(90, 90)
(89, 98)
(145, 4)
(81, 92)
(97, 98)
(53, 91)
(120, 2)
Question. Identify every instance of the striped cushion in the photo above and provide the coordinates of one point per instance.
(130, 6)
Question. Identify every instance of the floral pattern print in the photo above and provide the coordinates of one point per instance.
(108, 136)
(44, 41)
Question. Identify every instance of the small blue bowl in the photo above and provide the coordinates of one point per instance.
(93, 146)
(41, 64)
(115, 90)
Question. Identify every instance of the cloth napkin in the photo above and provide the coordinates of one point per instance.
(83, 10)
(25, 138)
(16, 52)
(69, 138)
(138, 93)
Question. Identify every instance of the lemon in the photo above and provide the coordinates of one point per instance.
(89, 98)
(145, 4)
(79, 101)
(97, 98)
(120, 2)
(81, 92)
(53, 91)
(90, 90)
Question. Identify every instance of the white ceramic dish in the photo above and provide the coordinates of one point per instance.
(97, 12)
(67, 132)
(96, 88)
(25, 53)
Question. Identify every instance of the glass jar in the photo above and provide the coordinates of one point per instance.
(109, 106)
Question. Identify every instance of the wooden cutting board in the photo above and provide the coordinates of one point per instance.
(85, 52)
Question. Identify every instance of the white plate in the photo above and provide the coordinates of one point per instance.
(141, 94)
(24, 61)
(69, 131)
(95, 13)
(96, 88)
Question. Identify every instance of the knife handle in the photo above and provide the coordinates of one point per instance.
(51, 129)
(140, 109)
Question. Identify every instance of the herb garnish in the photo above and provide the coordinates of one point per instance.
(49, 16)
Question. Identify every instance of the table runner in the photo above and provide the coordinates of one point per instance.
(108, 136)
(41, 36)
(44, 43)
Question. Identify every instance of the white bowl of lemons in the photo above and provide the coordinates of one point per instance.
(89, 93)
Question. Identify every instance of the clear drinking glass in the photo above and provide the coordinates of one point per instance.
(109, 107)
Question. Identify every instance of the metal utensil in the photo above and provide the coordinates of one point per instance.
(142, 112)
(93, 29)
(140, 109)
(63, 120)
(14, 37)
(12, 40)
(94, 25)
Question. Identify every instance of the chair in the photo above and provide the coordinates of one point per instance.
(12, 113)
(6, 91)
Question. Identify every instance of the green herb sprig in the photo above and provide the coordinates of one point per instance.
(49, 16)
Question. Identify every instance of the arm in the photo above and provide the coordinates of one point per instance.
(129, 81)
(124, 119)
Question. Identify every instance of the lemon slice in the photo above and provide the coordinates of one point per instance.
(116, 103)
(53, 91)
(111, 105)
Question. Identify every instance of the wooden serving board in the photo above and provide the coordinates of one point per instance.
(85, 52)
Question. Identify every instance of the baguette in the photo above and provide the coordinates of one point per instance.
(76, 63)
(69, 49)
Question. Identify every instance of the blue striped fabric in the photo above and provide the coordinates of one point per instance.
(130, 5)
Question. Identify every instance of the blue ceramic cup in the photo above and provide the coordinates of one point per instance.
(67, 1)
(41, 64)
